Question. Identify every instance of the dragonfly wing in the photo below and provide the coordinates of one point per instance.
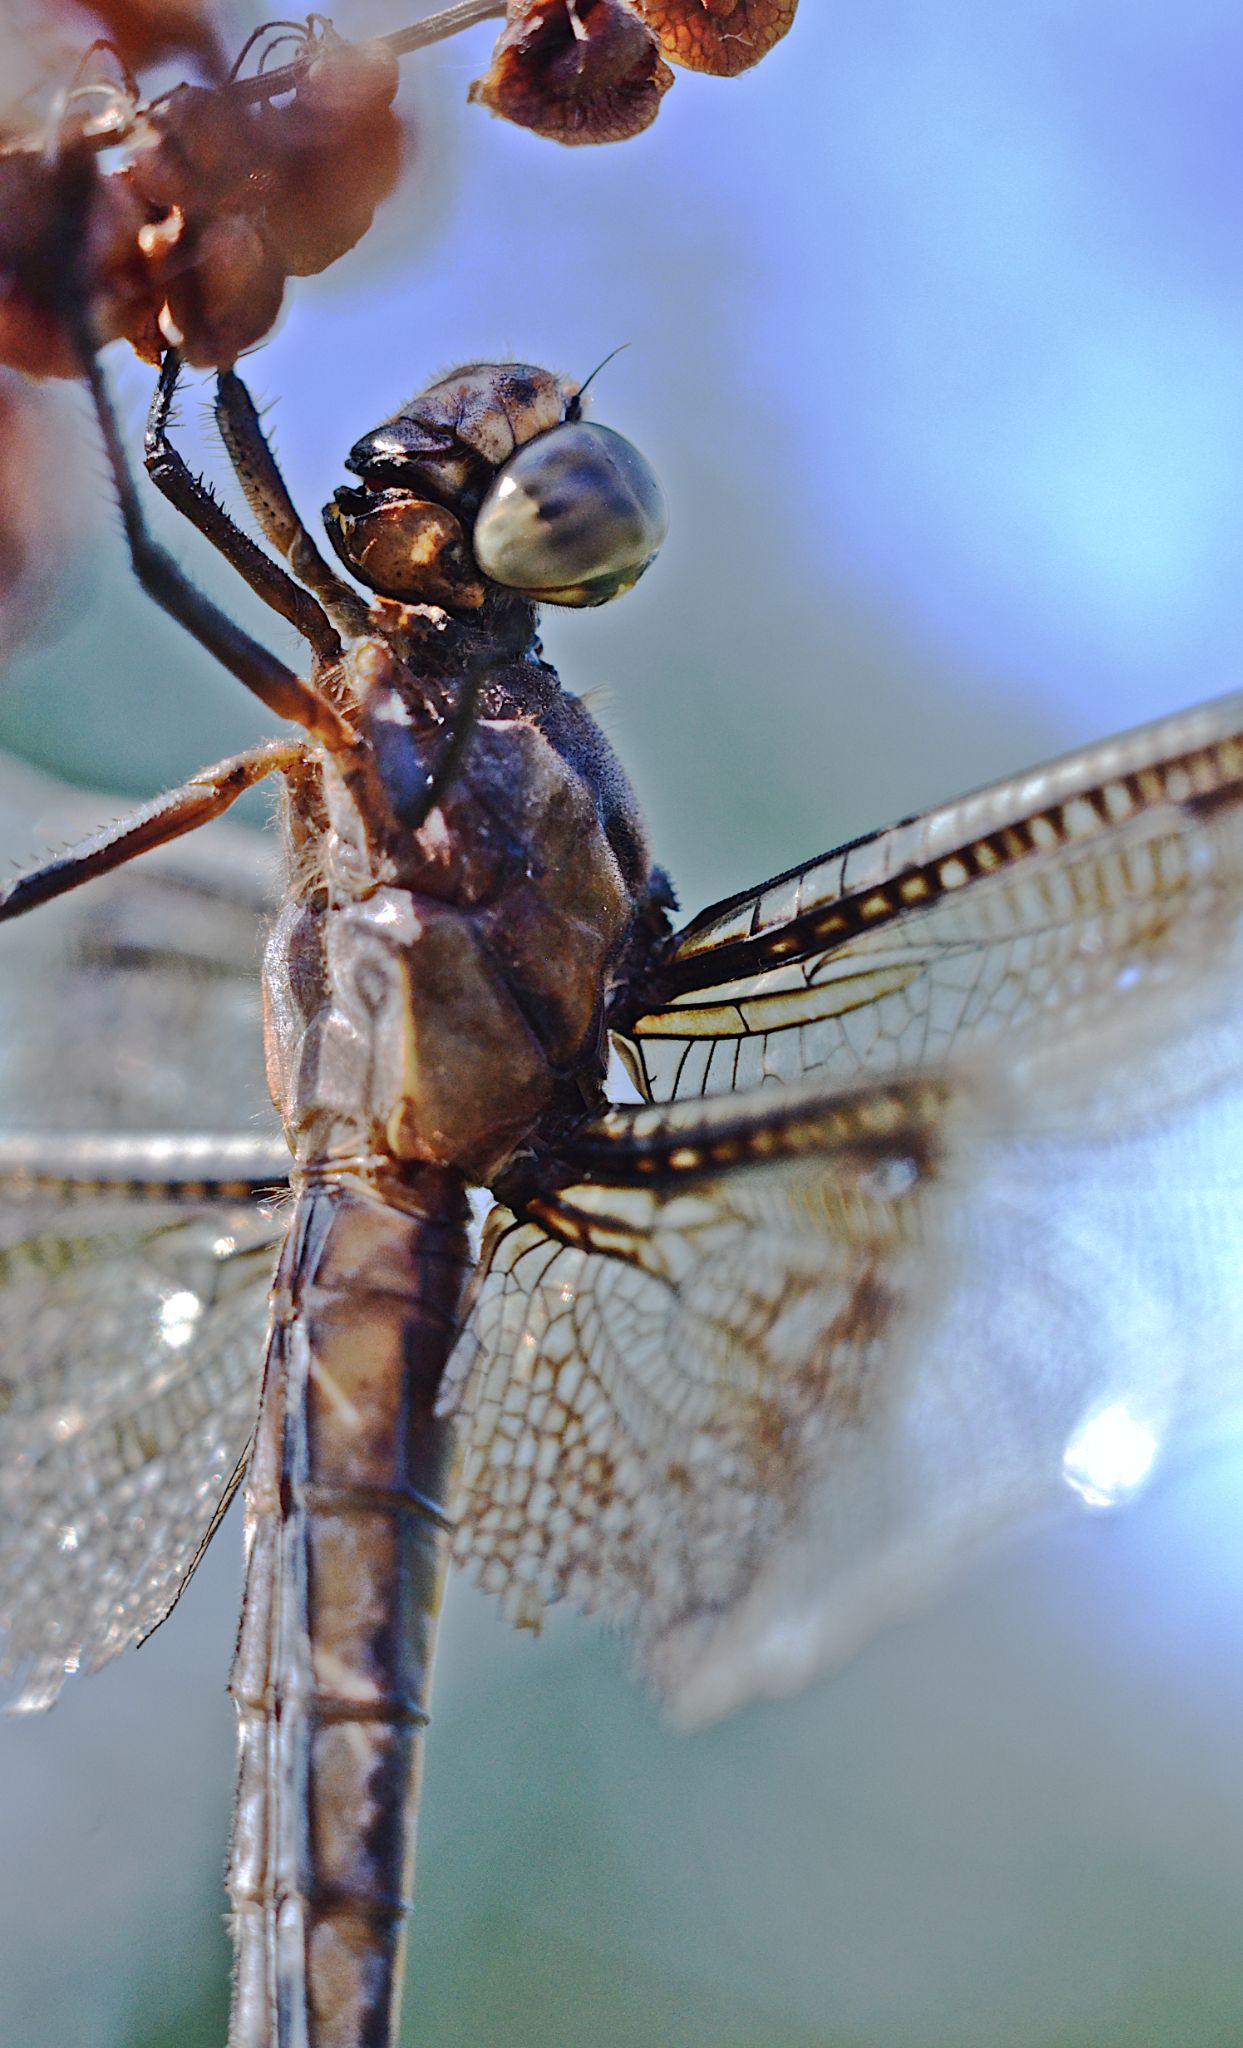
(784, 1375)
(131, 1331)
(1029, 911)
(131, 1341)
(656, 1356)
(132, 1004)
(755, 1380)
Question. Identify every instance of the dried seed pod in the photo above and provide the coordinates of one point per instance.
(722, 36)
(340, 115)
(347, 80)
(575, 70)
(239, 196)
(37, 211)
(195, 150)
(227, 298)
(144, 31)
(50, 206)
(216, 202)
(38, 517)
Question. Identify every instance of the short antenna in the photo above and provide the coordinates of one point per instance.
(574, 410)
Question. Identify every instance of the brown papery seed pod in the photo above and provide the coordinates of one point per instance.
(721, 36)
(195, 150)
(144, 31)
(346, 80)
(227, 297)
(35, 215)
(38, 517)
(575, 70)
(326, 158)
(49, 205)
(311, 217)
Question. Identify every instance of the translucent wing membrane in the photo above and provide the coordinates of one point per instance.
(132, 1004)
(1015, 910)
(133, 1276)
(748, 1379)
(658, 1357)
(754, 1410)
(131, 1337)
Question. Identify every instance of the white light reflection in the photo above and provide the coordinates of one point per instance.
(1109, 1457)
(178, 1315)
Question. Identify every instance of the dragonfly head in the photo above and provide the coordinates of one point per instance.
(488, 480)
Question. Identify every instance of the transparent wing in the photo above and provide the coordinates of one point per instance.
(1011, 911)
(749, 1384)
(132, 1004)
(131, 1327)
(656, 1358)
(755, 1381)
(131, 1340)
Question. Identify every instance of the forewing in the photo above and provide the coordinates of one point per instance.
(131, 1340)
(1028, 911)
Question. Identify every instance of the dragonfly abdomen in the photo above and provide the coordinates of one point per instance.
(345, 1537)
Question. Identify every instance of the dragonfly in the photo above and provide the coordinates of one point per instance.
(727, 1280)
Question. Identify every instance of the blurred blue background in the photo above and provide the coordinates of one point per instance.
(936, 326)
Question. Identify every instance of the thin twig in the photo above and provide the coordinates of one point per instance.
(434, 28)
(266, 85)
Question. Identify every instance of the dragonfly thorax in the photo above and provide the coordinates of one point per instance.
(428, 987)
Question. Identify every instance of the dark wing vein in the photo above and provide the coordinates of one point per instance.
(1029, 908)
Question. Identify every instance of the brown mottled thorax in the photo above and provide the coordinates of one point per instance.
(428, 991)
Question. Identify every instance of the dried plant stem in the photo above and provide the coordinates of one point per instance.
(437, 28)
(419, 35)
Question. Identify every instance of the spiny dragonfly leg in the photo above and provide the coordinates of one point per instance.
(194, 803)
(264, 487)
(177, 482)
(279, 687)
(258, 473)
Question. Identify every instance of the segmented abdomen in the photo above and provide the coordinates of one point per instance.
(345, 1546)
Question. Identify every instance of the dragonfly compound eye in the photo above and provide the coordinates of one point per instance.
(574, 517)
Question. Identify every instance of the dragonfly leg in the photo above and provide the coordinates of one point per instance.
(258, 473)
(194, 803)
(276, 685)
(174, 479)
